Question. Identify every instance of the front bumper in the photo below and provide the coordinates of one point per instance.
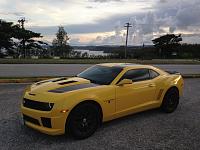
(55, 124)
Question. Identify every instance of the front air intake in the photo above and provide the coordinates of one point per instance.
(43, 106)
(31, 120)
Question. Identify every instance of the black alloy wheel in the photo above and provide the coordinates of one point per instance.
(84, 120)
(170, 101)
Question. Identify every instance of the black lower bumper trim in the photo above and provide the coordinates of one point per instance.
(31, 120)
(46, 122)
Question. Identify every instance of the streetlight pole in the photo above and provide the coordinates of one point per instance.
(127, 25)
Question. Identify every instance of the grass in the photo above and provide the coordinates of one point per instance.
(96, 61)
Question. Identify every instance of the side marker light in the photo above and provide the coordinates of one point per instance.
(64, 111)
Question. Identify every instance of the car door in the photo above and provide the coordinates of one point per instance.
(136, 95)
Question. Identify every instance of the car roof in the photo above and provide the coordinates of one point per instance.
(128, 66)
(125, 65)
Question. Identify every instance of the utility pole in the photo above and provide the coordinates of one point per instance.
(21, 23)
(127, 25)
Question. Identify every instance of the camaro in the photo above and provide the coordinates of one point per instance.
(103, 92)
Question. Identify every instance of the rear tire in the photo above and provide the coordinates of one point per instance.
(83, 120)
(170, 101)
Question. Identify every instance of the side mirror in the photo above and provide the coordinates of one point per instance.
(125, 81)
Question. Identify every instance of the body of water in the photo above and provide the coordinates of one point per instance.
(92, 53)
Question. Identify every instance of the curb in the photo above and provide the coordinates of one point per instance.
(36, 79)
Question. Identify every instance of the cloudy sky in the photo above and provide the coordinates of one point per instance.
(100, 22)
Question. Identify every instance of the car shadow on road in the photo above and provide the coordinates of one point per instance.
(130, 127)
(132, 118)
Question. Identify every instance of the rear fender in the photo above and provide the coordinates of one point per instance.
(175, 81)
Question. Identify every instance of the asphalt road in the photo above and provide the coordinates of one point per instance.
(33, 70)
(148, 130)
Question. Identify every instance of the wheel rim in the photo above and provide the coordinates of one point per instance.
(172, 101)
(85, 121)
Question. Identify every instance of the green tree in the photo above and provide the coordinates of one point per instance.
(167, 44)
(6, 34)
(60, 45)
(12, 38)
(28, 37)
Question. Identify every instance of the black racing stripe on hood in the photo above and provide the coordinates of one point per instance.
(73, 87)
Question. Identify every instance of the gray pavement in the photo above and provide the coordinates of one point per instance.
(34, 70)
(147, 130)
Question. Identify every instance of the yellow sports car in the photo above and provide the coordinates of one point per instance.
(101, 93)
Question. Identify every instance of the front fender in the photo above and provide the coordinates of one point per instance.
(104, 96)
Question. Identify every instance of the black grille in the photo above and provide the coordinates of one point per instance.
(46, 122)
(31, 120)
(37, 105)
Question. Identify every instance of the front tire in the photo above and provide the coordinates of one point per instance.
(83, 120)
(170, 101)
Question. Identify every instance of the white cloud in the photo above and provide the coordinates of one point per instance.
(102, 21)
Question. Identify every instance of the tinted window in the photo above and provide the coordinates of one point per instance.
(101, 74)
(137, 75)
(153, 74)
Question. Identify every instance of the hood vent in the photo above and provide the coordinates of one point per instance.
(67, 82)
(41, 82)
(60, 79)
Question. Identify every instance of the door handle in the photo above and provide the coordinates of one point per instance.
(151, 85)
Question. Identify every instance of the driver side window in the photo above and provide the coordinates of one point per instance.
(136, 75)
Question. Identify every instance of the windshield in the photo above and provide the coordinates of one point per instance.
(100, 74)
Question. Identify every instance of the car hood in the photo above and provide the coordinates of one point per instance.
(60, 85)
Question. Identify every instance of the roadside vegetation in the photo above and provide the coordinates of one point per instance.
(21, 46)
(18, 42)
(96, 61)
